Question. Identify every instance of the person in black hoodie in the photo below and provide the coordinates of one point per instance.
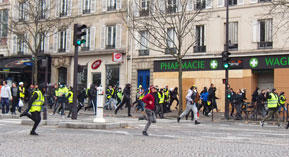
(126, 99)
(212, 98)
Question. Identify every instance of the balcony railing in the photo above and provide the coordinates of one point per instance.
(86, 11)
(109, 46)
(233, 47)
(199, 49)
(265, 45)
(171, 51)
(143, 52)
(61, 50)
(200, 5)
(111, 8)
(84, 48)
(171, 9)
(144, 12)
(263, 1)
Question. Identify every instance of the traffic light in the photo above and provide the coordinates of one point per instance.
(226, 65)
(225, 56)
(78, 32)
(228, 95)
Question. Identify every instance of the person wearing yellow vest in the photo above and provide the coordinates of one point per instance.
(70, 100)
(21, 91)
(62, 93)
(167, 99)
(272, 103)
(160, 105)
(34, 107)
(109, 99)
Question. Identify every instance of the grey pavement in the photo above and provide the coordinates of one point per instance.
(167, 138)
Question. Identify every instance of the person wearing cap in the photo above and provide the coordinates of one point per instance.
(149, 101)
(191, 105)
(21, 91)
(34, 107)
(272, 102)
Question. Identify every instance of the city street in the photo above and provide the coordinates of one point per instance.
(167, 138)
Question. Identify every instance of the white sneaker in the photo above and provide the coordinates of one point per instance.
(210, 114)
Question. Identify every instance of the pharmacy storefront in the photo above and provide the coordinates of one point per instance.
(271, 71)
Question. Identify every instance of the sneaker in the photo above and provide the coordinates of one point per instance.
(145, 133)
(129, 115)
(196, 122)
(178, 119)
(33, 133)
(209, 114)
(261, 123)
(287, 126)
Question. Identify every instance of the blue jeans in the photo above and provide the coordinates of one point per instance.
(5, 103)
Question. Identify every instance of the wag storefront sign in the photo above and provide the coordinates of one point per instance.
(249, 62)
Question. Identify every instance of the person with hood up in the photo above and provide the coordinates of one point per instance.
(125, 100)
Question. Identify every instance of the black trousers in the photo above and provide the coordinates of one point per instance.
(125, 101)
(36, 117)
(160, 110)
(14, 104)
(233, 108)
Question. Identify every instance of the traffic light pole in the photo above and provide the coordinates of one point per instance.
(75, 102)
(226, 70)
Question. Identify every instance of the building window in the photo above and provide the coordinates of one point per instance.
(22, 7)
(233, 36)
(265, 27)
(3, 23)
(20, 45)
(200, 4)
(172, 6)
(111, 37)
(233, 2)
(145, 5)
(86, 6)
(43, 9)
(262, 1)
(111, 5)
(171, 36)
(85, 46)
(200, 39)
(62, 41)
(63, 8)
(143, 51)
(42, 42)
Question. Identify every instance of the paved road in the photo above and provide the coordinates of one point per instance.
(167, 138)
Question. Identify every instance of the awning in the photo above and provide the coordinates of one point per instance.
(14, 62)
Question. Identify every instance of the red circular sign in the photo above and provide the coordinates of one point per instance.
(118, 56)
(95, 64)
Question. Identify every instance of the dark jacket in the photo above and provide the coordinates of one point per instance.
(126, 92)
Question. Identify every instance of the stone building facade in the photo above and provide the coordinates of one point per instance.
(259, 50)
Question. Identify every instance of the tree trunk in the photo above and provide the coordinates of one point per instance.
(35, 71)
(180, 61)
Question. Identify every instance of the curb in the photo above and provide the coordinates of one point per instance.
(77, 124)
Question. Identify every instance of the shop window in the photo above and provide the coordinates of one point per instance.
(62, 75)
(112, 75)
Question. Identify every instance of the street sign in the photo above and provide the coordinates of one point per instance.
(96, 64)
(28, 63)
(117, 57)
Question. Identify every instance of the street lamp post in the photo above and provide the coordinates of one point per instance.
(226, 69)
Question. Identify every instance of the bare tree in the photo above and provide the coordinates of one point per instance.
(32, 22)
(280, 10)
(168, 27)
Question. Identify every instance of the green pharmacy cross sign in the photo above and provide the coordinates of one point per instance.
(254, 62)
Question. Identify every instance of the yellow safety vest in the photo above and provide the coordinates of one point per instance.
(70, 99)
(21, 92)
(110, 95)
(37, 104)
(141, 96)
(167, 94)
(161, 97)
(282, 102)
(62, 91)
(273, 102)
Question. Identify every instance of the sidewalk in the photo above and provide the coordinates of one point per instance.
(85, 120)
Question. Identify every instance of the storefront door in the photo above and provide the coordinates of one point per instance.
(143, 79)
